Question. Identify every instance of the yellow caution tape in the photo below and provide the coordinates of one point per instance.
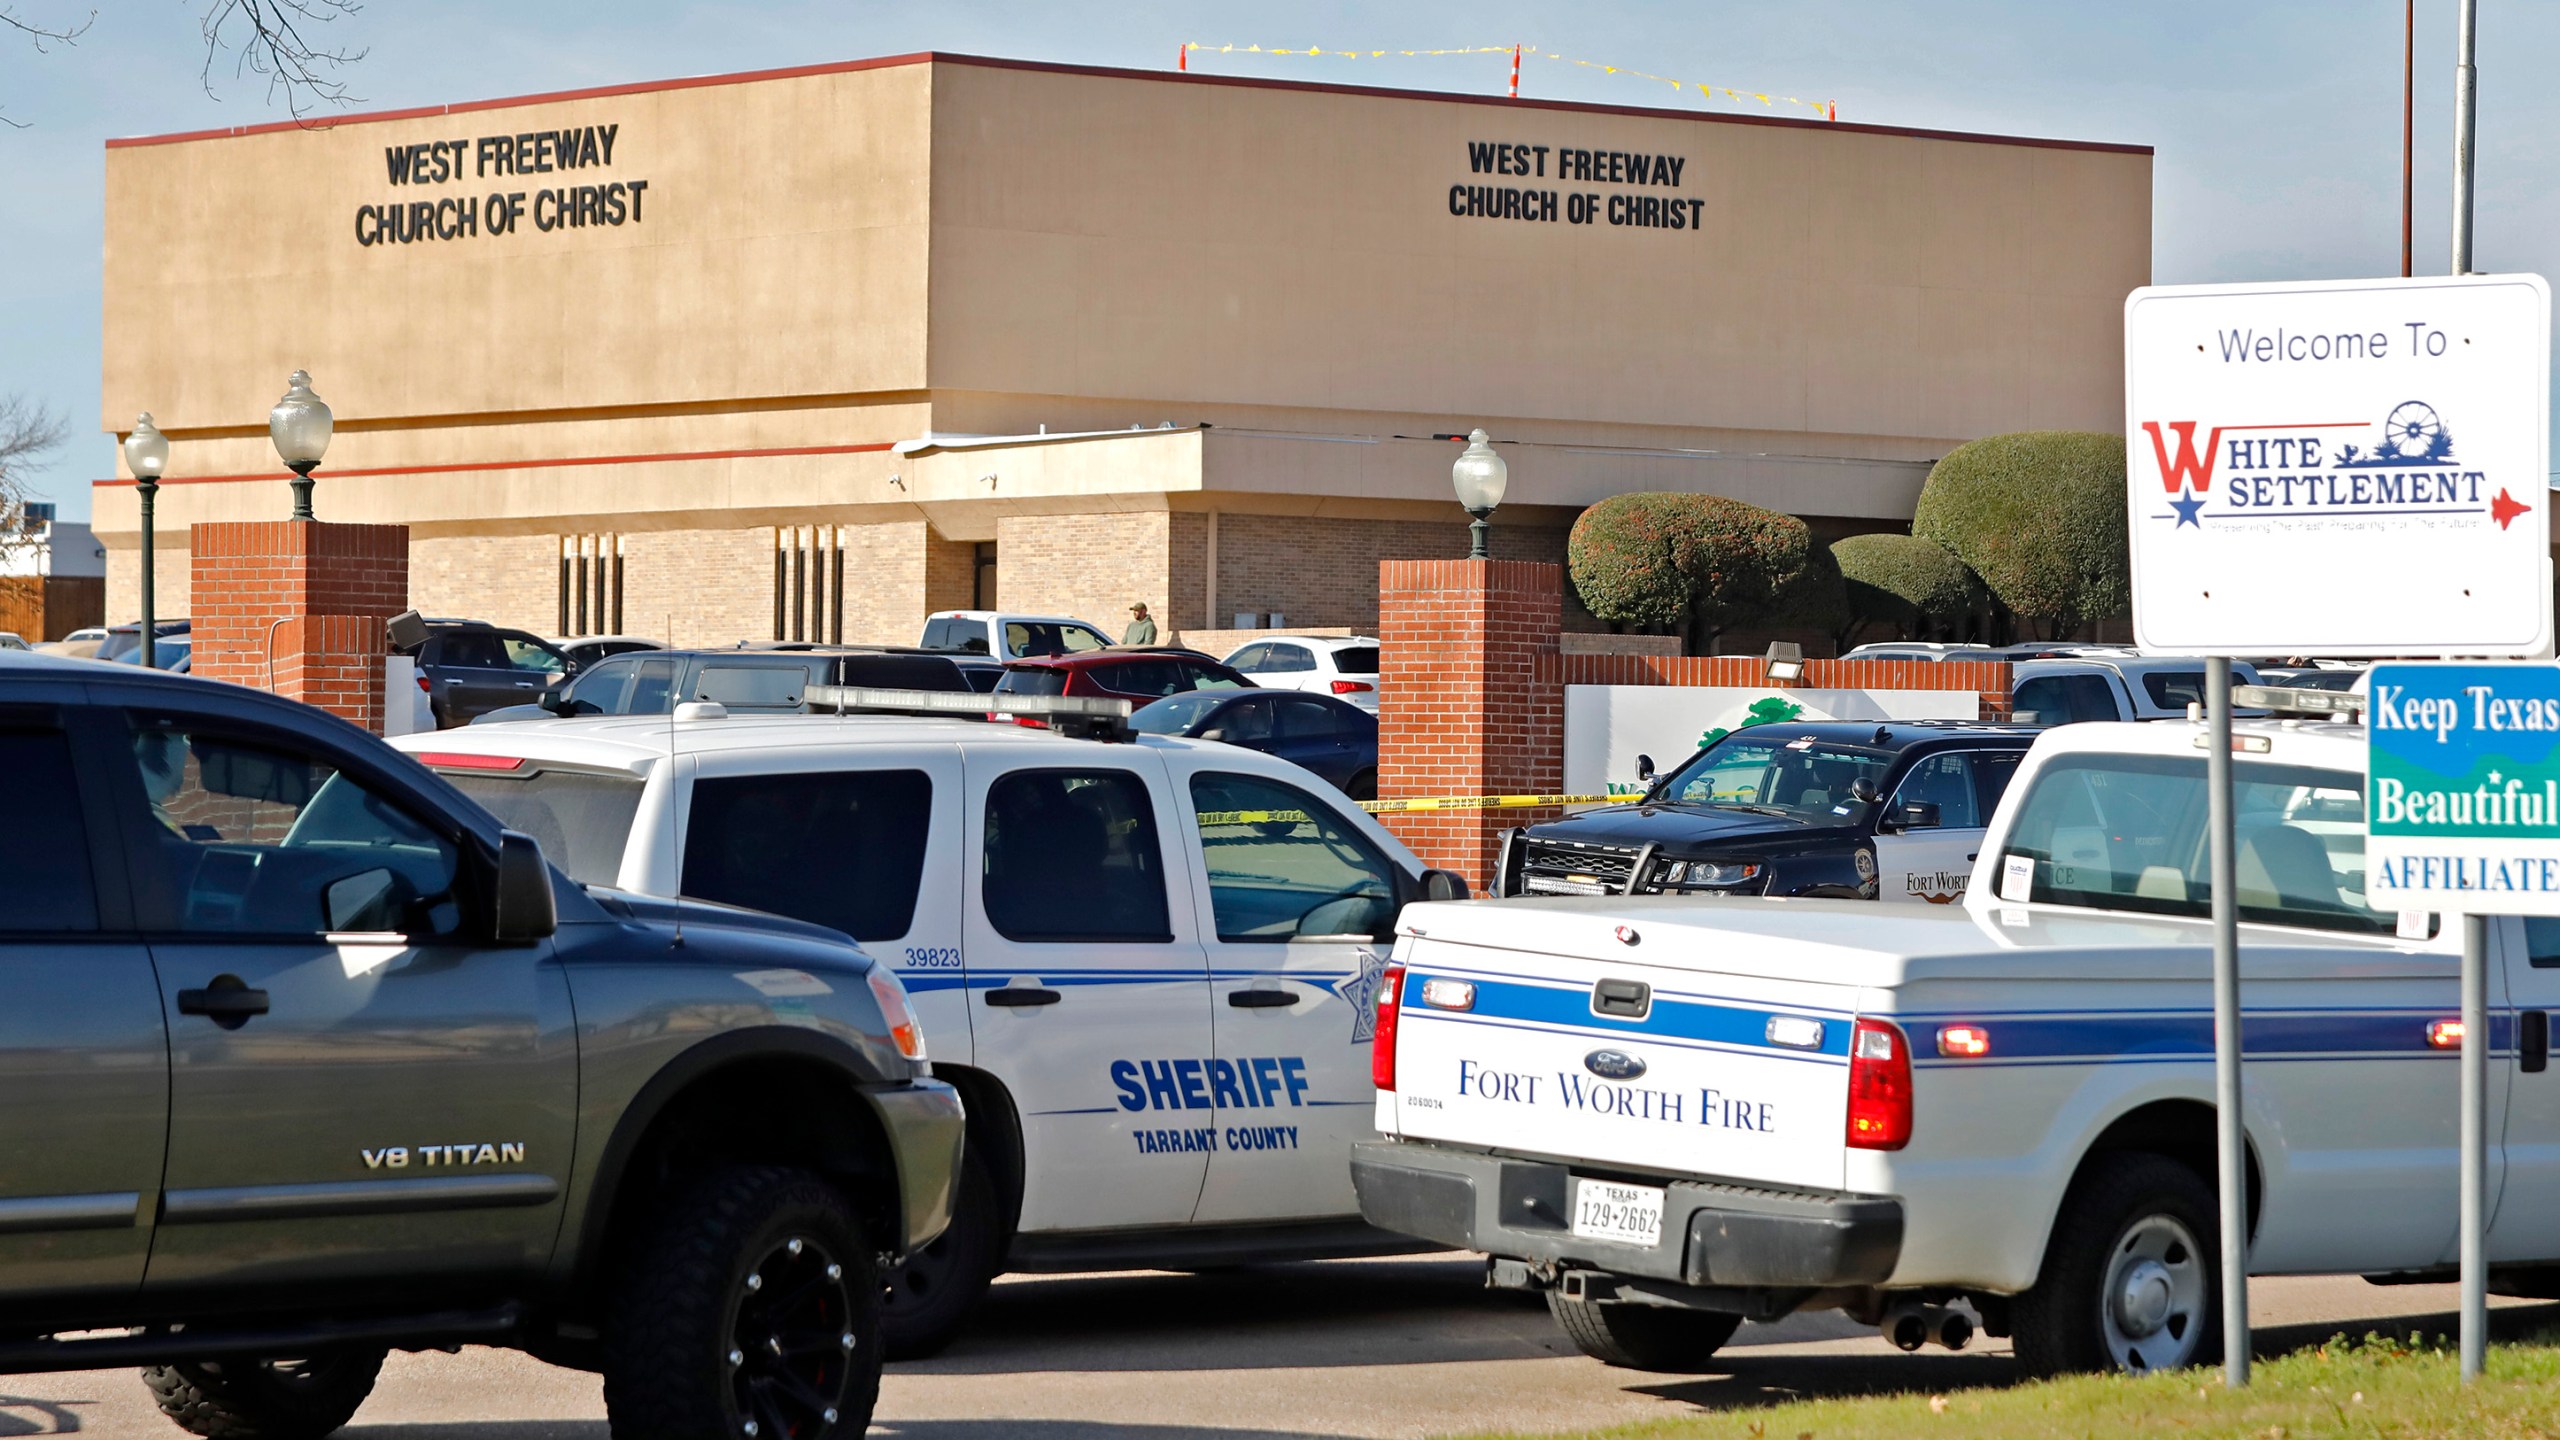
(1481, 802)
(1429, 802)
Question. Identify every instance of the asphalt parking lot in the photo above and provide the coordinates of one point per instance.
(1380, 1348)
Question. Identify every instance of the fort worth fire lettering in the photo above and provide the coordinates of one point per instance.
(1720, 1109)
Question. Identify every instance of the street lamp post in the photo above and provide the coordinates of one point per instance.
(1479, 477)
(300, 425)
(146, 451)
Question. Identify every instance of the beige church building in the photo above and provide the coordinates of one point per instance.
(810, 353)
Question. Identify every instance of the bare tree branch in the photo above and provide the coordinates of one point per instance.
(41, 35)
(28, 433)
(275, 47)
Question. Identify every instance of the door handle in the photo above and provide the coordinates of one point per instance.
(227, 1002)
(1012, 995)
(1261, 999)
(2533, 1041)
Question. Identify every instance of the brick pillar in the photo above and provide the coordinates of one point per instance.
(298, 607)
(1468, 701)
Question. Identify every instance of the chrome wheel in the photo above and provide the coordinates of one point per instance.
(2152, 1305)
(791, 1343)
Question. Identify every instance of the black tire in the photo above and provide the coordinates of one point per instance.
(700, 1344)
(2095, 1306)
(1363, 786)
(1643, 1337)
(266, 1399)
(927, 1300)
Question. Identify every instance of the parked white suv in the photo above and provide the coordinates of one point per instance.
(1010, 637)
(1342, 666)
(2127, 687)
(1149, 967)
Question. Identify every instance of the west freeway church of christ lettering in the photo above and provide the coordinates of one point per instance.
(810, 353)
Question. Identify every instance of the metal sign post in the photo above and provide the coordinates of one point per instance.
(2475, 1145)
(2231, 1135)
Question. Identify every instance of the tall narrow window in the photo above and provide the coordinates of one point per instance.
(590, 585)
(808, 583)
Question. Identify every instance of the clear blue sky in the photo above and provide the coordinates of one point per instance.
(2277, 122)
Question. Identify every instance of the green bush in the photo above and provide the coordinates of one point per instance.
(1817, 598)
(1902, 582)
(2040, 516)
(1696, 564)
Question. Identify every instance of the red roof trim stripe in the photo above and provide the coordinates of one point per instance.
(886, 62)
(543, 464)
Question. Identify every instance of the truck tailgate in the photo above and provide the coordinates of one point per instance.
(1611, 1062)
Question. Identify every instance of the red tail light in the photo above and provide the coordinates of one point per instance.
(1382, 1048)
(443, 761)
(424, 686)
(1879, 1087)
(1351, 687)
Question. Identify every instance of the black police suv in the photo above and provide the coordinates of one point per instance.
(1845, 809)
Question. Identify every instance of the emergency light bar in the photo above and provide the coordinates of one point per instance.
(1083, 716)
(2282, 699)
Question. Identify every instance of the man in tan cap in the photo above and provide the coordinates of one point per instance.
(1142, 630)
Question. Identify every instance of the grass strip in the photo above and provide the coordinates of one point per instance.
(2377, 1386)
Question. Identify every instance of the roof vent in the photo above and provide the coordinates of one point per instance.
(701, 710)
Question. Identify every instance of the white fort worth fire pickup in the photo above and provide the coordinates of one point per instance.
(1671, 1116)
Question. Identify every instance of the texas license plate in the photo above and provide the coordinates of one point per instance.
(1628, 1214)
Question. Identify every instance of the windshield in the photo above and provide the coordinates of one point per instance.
(1356, 660)
(1174, 714)
(1773, 773)
(1025, 639)
(583, 821)
(2127, 832)
(1032, 680)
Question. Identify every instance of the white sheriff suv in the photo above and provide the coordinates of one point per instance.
(1669, 1117)
(1150, 967)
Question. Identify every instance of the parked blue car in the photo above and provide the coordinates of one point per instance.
(1339, 742)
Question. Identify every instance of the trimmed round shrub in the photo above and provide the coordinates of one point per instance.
(1899, 581)
(2040, 516)
(1817, 597)
(1698, 564)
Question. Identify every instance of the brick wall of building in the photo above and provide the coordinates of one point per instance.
(1089, 566)
(298, 607)
(885, 571)
(509, 580)
(1465, 708)
(171, 567)
(1323, 571)
(950, 577)
(699, 587)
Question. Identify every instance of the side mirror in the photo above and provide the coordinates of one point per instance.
(366, 901)
(1443, 885)
(526, 908)
(1644, 768)
(1917, 815)
(1214, 732)
(1862, 789)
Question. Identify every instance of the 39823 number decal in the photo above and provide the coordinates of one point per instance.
(933, 957)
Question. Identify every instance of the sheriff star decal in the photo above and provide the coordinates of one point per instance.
(1359, 990)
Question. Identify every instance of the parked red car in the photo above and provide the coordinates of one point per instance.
(1133, 674)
